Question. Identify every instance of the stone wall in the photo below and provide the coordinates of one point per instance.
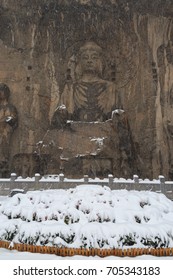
(38, 43)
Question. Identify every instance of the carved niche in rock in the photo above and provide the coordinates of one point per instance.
(8, 122)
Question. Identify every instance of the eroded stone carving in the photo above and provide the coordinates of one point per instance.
(26, 165)
(90, 97)
(8, 122)
(97, 167)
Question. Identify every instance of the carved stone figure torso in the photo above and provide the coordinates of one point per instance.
(89, 101)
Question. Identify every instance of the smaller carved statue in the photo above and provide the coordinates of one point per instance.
(8, 122)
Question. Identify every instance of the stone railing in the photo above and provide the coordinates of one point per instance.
(16, 184)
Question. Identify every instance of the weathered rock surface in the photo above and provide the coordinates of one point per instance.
(38, 41)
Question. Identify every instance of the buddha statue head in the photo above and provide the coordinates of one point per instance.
(89, 60)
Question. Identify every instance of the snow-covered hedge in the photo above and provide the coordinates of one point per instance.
(88, 217)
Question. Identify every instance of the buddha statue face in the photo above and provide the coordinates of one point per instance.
(90, 59)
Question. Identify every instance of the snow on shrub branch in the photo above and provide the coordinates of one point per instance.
(88, 216)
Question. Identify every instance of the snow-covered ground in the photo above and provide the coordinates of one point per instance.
(87, 216)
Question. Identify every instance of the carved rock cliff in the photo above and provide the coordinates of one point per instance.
(38, 43)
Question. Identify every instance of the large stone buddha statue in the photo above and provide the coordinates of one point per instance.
(89, 98)
(90, 144)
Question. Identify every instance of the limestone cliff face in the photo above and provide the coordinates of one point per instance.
(38, 43)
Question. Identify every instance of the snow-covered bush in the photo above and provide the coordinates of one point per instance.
(8, 230)
(28, 233)
(88, 217)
